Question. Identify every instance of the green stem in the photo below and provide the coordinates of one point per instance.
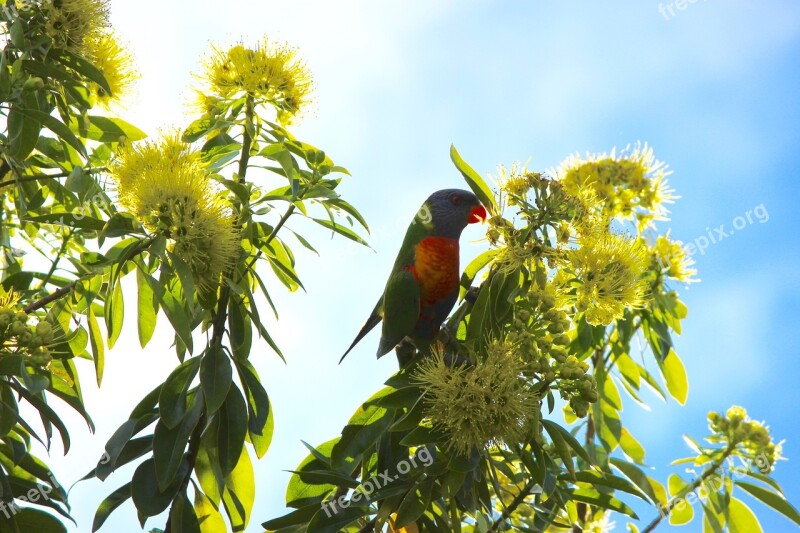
(218, 323)
(707, 473)
(54, 264)
(526, 491)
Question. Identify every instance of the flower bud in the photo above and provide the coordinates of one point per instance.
(34, 83)
(561, 340)
(17, 328)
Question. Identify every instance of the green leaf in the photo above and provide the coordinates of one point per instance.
(72, 220)
(98, 349)
(120, 225)
(474, 180)
(147, 498)
(172, 399)
(682, 512)
(322, 523)
(771, 499)
(232, 430)
(260, 423)
(654, 490)
(422, 435)
(605, 501)
(566, 438)
(112, 129)
(177, 316)
(240, 492)
(210, 519)
(182, 517)
(608, 480)
(169, 443)
(740, 519)
(56, 126)
(28, 519)
(114, 314)
(132, 450)
(414, 504)
(107, 506)
(81, 66)
(631, 446)
(147, 307)
(297, 517)
(675, 377)
(341, 230)
(300, 494)
(361, 432)
(329, 477)
(215, 378)
(475, 266)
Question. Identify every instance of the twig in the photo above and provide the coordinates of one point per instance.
(526, 491)
(55, 295)
(707, 473)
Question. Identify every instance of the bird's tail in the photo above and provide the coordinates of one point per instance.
(372, 321)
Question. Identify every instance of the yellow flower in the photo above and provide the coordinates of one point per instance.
(270, 72)
(673, 260)
(516, 181)
(167, 187)
(70, 22)
(628, 185)
(607, 276)
(115, 62)
(8, 300)
(478, 406)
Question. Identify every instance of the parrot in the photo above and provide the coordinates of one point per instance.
(423, 285)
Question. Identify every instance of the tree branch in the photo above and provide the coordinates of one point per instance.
(55, 295)
(707, 473)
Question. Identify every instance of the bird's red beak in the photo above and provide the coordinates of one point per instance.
(478, 214)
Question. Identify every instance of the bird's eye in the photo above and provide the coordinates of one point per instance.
(455, 199)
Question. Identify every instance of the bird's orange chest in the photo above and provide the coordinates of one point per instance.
(436, 268)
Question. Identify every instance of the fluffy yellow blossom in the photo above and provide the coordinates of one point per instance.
(516, 181)
(607, 277)
(674, 261)
(115, 62)
(269, 71)
(628, 185)
(167, 187)
(82, 27)
(70, 22)
(478, 406)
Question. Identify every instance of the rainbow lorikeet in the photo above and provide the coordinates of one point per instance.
(423, 285)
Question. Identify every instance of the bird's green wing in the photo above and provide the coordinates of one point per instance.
(400, 309)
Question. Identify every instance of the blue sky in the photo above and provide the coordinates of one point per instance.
(713, 88)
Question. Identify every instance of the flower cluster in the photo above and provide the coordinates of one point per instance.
(70, 23)
(83, 28)
(628, 185)
(673, 261)
(604, 275)
(478, 406)
(17, 336)
(551, 215)
(269, 72)
(751, 439)
(540, 333)
(167, 187)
